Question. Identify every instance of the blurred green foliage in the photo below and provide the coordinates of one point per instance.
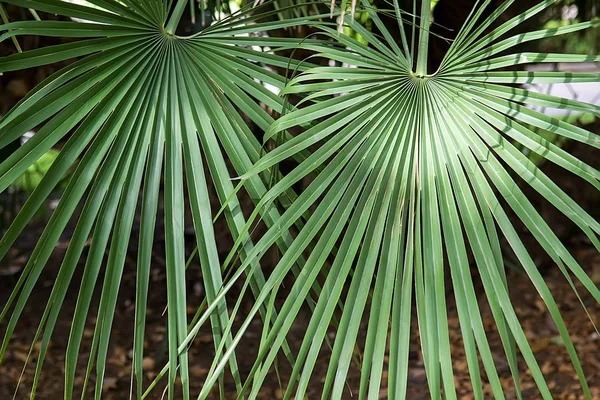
(32, 177)
(569, 12)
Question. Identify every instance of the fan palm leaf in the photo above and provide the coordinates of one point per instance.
(139, 103)
(420, 173)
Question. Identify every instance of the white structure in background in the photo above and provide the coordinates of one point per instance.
(87, 4)
(26, 136)
(585, 92)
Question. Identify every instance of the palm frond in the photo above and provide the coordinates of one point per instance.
(139, 102)
(420, 171)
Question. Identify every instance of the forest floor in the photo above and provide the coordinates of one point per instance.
(536, 321)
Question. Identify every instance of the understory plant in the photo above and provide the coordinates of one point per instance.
(415, 175)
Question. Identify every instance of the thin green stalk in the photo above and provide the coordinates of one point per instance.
(34, 14)
(423, 38)
(176, 16)
(5, 20)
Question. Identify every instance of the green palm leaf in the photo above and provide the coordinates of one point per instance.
(419, 168)
(138, 97)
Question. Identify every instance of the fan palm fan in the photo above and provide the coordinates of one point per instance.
(138, 97)
(419, 171)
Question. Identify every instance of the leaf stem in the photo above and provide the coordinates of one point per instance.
(176, 16)
(5, 20)
(423, 38)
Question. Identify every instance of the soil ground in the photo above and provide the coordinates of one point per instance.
(538, 326)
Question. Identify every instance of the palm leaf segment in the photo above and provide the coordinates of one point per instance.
(420, 170)
(140, 103)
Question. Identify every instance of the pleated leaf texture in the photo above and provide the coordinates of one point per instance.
(414, 175)
(146, 113)
(419, 175)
